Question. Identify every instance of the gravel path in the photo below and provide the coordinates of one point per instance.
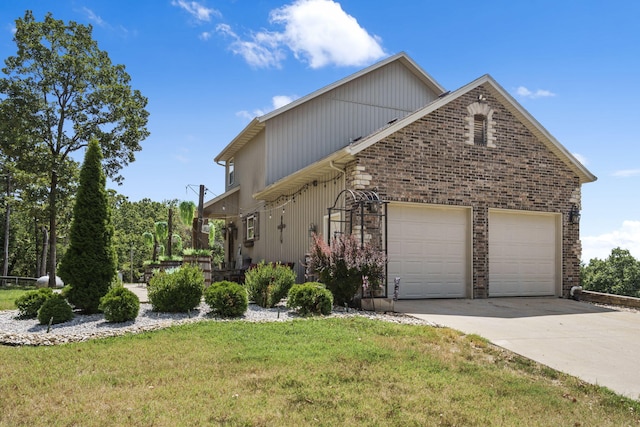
(15, 331)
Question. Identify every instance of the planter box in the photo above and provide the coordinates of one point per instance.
(203, 263)
(148, 271)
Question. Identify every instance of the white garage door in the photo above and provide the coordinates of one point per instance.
(428, 248)
(523, 254)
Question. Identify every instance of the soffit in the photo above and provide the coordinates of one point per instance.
(289, 185)
(224, 205)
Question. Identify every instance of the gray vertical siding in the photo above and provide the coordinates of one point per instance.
(309, 207)
(330, 122)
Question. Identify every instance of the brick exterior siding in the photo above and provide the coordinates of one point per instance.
(430, 161)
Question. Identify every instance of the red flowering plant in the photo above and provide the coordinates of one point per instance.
(342, 266)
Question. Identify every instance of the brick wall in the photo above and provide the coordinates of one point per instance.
(430, 161)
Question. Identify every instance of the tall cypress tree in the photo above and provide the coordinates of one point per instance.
(89, 265)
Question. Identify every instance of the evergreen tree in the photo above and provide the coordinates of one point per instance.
(89, 265)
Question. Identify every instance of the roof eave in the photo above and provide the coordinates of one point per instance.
(523, 115)
(402, 57)
(293, 182)
(251, 130)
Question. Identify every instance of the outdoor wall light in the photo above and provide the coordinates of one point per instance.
(224, 232)
(574, 215)
(312, 229)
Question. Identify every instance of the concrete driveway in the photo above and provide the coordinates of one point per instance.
(599, 345)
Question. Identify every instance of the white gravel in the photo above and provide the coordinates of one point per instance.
(14, 331)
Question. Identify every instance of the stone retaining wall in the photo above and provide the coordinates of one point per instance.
(599, 297)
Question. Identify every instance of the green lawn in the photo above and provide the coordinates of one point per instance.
(349, 371)
(9, 294)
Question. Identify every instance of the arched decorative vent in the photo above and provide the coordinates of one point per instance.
(480, 125)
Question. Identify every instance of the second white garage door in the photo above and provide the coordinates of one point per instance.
(523, 254)
(428, 248)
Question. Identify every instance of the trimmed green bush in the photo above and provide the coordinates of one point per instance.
(89, 264)
(65, 292)
(177, 291)
(55, 309)
(310, 298)
(227, 299)
(29, 303)
(119, 305)
(267, 284)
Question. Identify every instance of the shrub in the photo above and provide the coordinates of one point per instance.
(119, 305)
(176, 291)
(310, 298)
(55, 309)
(89, 264)
(65, 291)
(342, 266)
(29, 303)
(267, 284)
(227, 299)
(618, 274)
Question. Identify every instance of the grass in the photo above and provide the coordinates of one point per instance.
(334, 371)
(9, 294)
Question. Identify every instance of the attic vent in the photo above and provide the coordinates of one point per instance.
(480, 127)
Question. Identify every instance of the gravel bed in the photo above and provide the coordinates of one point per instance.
(14, 331)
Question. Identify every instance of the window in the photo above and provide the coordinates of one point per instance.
(230, 172)
(251, 226)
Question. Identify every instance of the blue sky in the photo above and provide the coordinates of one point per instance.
(208, 66)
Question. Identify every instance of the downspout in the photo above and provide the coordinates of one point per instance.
(333, 166)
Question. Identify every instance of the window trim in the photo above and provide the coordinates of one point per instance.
(231, 172)
(251, 225)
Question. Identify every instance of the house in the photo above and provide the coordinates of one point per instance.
(470, 196)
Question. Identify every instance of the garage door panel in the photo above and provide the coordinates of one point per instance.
(522, 254)
(428, 250)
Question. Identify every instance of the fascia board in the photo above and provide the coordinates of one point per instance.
(508, 101)
(539, 130)
(302, 176)
(251, 130)
(402, 56)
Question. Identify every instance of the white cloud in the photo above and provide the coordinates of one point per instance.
(96, 19)
(205, 35)
(259, 53)
(197, 10)
(282, 100)
(277, 102)
(93, 17)
(626, 173)
(626, 237)
(582, 159)
(318, 32)
(539, 93)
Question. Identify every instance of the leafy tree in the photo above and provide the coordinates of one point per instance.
(68, 92)
(89, 265)
(619, 274)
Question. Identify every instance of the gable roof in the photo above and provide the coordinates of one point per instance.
(258, 123)
(341, 157)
